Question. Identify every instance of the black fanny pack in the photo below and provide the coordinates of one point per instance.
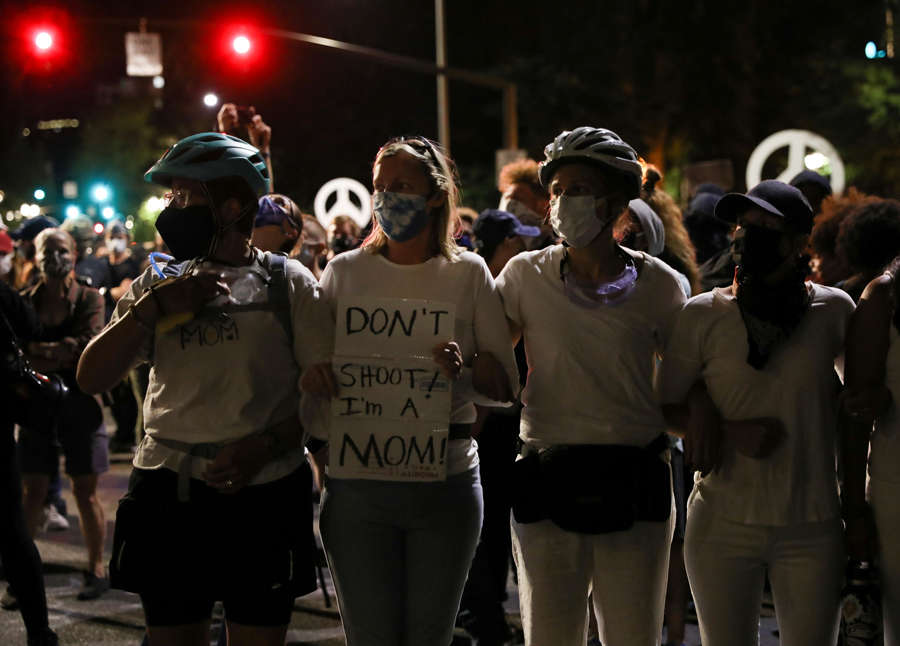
(593, 488)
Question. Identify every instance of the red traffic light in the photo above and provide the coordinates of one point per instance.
(43, 40)
(241, 44)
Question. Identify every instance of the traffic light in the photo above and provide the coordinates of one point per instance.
(241, 44)
(41, 39)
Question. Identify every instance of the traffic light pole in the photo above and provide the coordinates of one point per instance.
(508, 88)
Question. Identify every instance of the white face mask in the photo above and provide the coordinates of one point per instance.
(575, 219)
(6, 264)
(116, 245)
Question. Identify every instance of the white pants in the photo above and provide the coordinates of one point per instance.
(885, 500)
(726, 565)
(626, 571)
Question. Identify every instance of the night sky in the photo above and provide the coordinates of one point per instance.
(681, 81)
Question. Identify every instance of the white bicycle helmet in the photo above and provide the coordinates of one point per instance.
(593, 146)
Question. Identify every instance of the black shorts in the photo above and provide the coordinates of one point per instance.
(253, 550)
(87, 452)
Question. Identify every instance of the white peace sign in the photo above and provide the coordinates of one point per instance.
(798, 142)
(342, 187)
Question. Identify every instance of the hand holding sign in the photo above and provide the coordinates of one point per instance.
(449, 358)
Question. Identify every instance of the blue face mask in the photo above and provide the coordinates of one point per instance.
(400, 215)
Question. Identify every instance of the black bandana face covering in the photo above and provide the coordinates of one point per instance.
(771, 311)
(188, 232)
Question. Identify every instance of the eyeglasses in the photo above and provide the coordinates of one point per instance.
(178, 197)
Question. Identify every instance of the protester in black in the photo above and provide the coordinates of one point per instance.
(21, 561)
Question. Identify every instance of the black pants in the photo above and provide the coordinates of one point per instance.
(21, 561)
(485, 588)
(124, 409)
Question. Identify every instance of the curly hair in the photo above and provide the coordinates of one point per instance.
(869, 235)
(524, 171)
(679, 252)
(827, 225)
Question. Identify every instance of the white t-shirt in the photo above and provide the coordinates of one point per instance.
(216, 379)
(590, 371)
(885, 455)
(798, 385)
(480, 325)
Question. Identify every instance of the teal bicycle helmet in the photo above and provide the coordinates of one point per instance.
(209, 156)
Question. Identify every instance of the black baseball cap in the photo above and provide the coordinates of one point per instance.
(780, 199)
(32, 227)
(814, 178)
(494, 226)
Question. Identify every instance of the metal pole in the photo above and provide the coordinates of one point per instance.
(510, 117)
(443, 104)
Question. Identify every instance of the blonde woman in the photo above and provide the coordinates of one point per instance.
(399, 551)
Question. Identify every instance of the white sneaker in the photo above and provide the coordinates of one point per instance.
(53, 521)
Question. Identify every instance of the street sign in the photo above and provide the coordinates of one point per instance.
(802, 147)
(143, 54)
(341, 188)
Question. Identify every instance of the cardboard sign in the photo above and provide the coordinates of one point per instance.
(391, 419)
(376, 450)
(393, 327)
(390, 389)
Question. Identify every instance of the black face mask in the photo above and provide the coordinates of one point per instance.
(187, 232)
(56, 265)
(771, 311)
(340, 244)
(756, 250)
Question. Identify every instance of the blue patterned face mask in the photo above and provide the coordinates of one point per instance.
(401, 215)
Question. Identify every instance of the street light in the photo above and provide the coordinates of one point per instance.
(39, 194)
(107, 212)
(72, 211)
(100, 192)
(210, 100)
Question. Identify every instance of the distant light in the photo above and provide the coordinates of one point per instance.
(159, 82)
(98, 228)
(211, 100)
(100, 193)
(30, 210)
(2, 195)
(871, 49)
(72, 211)
(155, 204)
(815, 161)
(241, 44)
(129, 224)
(26, 132)
(43, 40)
(39, 194)
(107, 212)
(24, 208)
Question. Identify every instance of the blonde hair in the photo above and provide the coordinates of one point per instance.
(679, 252)
(441, 171)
